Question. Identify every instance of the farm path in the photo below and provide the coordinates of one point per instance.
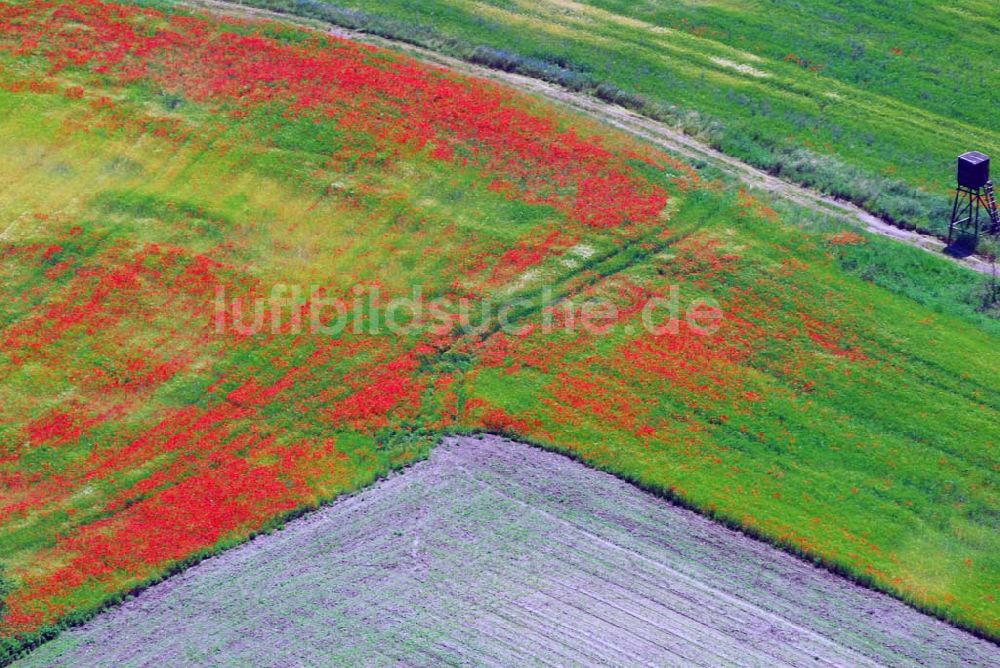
(496, 553)
(659, 134)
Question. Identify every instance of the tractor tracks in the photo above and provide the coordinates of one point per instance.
(657, 133)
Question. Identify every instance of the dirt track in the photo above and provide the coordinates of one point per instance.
(659, 134)
(495, 553)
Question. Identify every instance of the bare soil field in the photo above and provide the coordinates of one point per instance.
(496, 553)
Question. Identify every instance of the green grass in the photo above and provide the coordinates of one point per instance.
(865, 100)
(847, 409)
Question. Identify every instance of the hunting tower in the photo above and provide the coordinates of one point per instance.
(974, 191)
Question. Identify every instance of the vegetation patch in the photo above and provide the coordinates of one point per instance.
(873, 108)
(172, 379)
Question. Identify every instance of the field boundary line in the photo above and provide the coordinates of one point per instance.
(647, 129)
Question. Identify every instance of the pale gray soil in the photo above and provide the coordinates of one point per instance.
(496, 553)
(659, 134)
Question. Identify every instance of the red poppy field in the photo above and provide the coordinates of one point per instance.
(184, 200)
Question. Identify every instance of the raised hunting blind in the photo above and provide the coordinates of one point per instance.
(974, 192)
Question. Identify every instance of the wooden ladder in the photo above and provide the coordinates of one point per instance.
(991, 206)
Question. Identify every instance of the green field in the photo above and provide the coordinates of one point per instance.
(867, 100)
(847, 407)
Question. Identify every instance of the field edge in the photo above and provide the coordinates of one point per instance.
(12, 649)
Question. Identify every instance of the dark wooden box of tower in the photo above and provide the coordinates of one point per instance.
(973, 169)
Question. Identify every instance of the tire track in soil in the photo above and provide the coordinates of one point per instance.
(657, 133)
(496, 553)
